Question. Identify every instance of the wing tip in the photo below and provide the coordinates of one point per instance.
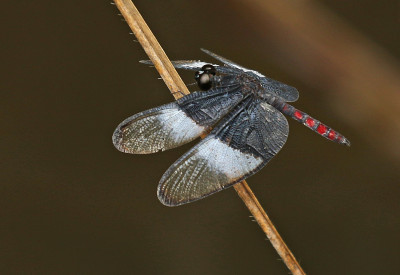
(117, 140)
(169, 200)
(210, 53)
(147, 62)
(164, 199)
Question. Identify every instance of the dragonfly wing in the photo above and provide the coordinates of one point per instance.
(176, 123)
(224, 60)
(232, 66)
(284, 91)
(194, 65)
(242, 143)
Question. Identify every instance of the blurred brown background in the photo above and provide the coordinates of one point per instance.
(70, 203)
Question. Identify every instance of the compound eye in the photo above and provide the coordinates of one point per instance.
(209, 69)
(204, 81)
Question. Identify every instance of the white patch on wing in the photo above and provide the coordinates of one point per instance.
(179, 126)
(255, 72)
(227, 160)
(246, 70)
(208, 168)
(156, 129)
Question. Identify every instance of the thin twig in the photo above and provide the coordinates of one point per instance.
(178, 89)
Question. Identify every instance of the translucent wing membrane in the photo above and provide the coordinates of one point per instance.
(177, 123)
(245, 141)
(161, 128)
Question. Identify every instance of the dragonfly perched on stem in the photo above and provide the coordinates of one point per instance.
(245, 111)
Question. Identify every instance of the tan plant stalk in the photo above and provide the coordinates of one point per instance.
(178, 89)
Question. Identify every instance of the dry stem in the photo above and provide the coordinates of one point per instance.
(178, 88)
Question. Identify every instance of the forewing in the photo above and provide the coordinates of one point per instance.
(176, 123)
(284, 91)
(244, 142)
(224, 60)
(194, 65)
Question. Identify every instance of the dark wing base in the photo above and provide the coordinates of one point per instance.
(177, 123)
(244, 142)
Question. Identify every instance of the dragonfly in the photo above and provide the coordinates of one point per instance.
(243, 113)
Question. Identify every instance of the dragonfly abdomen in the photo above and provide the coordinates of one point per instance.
(310, 122)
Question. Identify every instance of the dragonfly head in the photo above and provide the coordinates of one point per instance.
(204, 76)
